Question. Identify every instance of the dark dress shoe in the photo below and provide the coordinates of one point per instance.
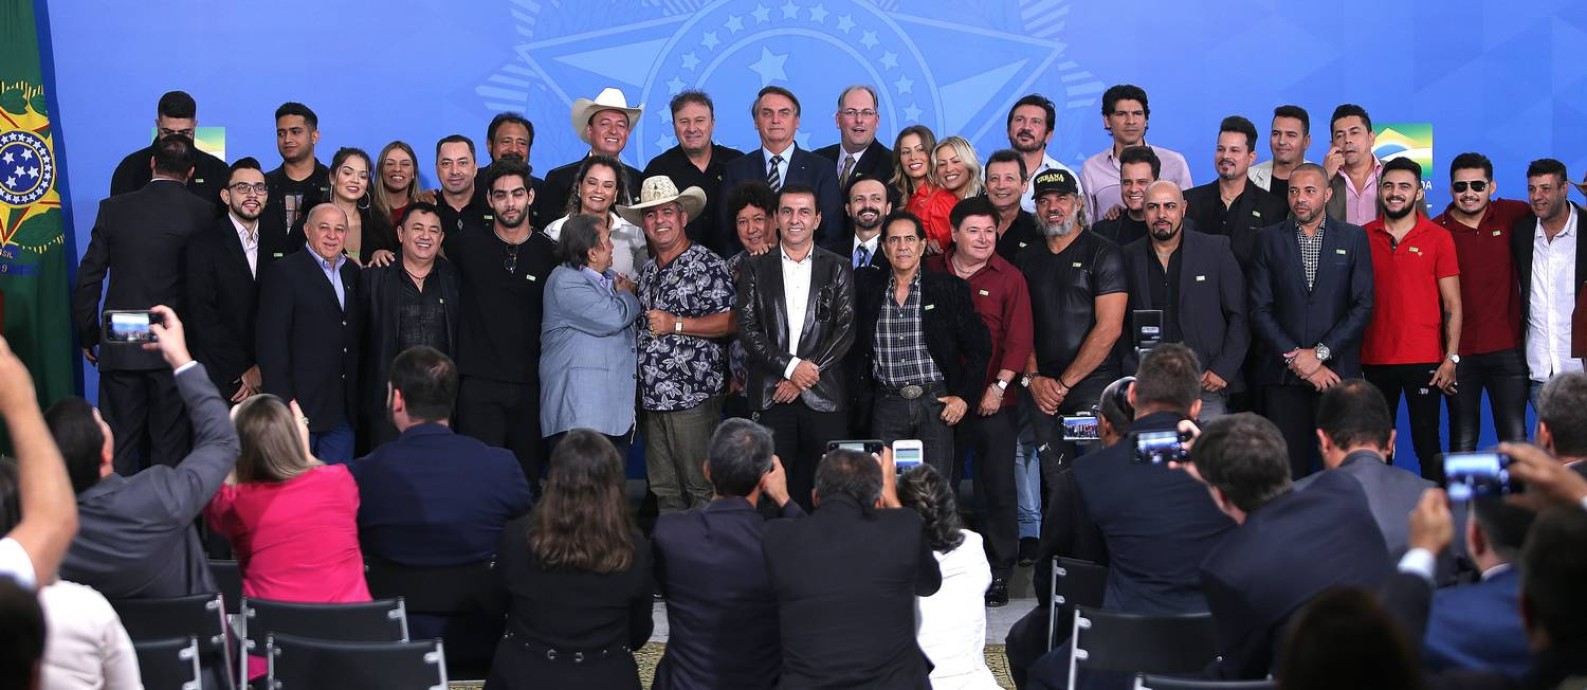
(997, 594)
(1027, 551)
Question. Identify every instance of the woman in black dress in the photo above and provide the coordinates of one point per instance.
(574, 579)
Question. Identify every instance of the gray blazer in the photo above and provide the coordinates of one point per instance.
(588, 355)
(1392, 493)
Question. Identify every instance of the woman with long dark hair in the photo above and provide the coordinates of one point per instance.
(597, 187)
(915, 180)
(370, 235)
(574, 578)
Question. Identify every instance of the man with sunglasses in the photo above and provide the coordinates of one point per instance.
(1491, 357)
(177, 113)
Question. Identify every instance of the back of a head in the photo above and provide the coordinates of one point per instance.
(1244, 456)
(582, 522)
(1355, 414)
(81, 441)
(928, 493)
(1114, 405)
(174, 156)
(1504, 526)
(1562, 407)
(271, 448)
(1169, 379)
(427, 380)
(849, 473)
(739, 454)
(1344, 638)
(1553, 569)
(21, 635)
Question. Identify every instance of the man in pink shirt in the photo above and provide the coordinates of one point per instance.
(1355, 184)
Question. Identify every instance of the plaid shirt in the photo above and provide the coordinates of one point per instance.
(901, 355)
(1310, 251)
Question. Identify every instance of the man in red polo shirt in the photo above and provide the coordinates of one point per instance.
(1416, 280)
(1491, 357)
(1002, 300)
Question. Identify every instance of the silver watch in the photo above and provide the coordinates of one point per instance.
(1323, 353)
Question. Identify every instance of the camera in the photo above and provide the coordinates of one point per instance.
(1158, 447)
(130, 326)
(1477, 475)
(1081, 428)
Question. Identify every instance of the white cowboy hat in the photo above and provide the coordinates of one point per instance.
(609, 99)
(660, 190)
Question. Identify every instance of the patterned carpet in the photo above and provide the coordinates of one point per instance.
(651, 653)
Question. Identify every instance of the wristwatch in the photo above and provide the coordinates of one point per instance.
(1323, 353)
(1454, 358)
(1026, 379)
(1001, 384)
(677, 325)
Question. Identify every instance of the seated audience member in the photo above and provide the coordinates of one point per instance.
(1289, 546)
(21, 636)
(721, 611)
(1562, 419)
(291, 519)
(44, 516)
(137, 538)
(1356, 433)
(846, 579)
(952, 622)
(1345, 639)
(574, 579)
(1478, 626)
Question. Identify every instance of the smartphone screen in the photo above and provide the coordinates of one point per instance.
(1081, 428)
(1476, 475)
(129, 326)
(907, 454)
(1158, 447)
(869, 445)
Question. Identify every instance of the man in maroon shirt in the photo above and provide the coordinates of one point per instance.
(1002, 300)
(1491, 357)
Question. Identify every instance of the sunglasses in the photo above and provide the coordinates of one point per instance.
(511, 264)
(1475, 185)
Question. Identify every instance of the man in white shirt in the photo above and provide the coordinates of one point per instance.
(1125, 114)
(33, 548)
(1549, 264)
(1030, 126)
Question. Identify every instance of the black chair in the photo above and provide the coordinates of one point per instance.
(200, 616)
(448, 591)
(228, 576)
(1131, 643)
(1151, 682)
(1074, 583)
(384, 620)
(171, 663)
(300, 662)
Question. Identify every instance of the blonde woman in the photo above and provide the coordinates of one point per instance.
(398, 171)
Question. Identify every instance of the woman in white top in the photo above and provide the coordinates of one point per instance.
(85, 645)
(598, 186)
(951, 624)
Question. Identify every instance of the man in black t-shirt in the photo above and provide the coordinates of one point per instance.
(177, 114)
(1078, 295)
(298, 184)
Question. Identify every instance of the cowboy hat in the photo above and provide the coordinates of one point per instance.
(609, 99)
(660, 190)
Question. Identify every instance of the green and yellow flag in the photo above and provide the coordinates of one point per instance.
(33, 253)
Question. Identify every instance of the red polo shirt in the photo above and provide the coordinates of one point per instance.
(1407, 314)
(1002, 300)
(1490, 299)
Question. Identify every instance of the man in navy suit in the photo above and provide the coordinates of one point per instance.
(858, 155)
(1478, 626)
(1310, 284)
(721, 609)
(779, 162)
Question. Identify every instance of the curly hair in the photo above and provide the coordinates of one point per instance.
(924, 489)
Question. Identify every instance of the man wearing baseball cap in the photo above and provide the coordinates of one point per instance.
(604, 124)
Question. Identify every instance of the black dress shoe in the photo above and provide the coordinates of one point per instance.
(1027, 550)
(997, 594)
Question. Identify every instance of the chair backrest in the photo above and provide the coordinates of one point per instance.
(200, 616)
(1150, 682)
(170, 663)
(299, 662)
(1074, 583)
(1108, 641)
(228, 576)
(448, 591)
(382, 620)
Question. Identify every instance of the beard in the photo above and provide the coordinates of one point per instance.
(1164, 235)
(1062, 228)
(859, 221)
(1396, 215)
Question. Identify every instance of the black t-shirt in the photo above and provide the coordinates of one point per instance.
(476, 218)
(1279, 188)
(499, 333)
(1063, 292)
(675, 164)
(1164, 286)
(290, 199)
(1121, 231)
(1021, 233)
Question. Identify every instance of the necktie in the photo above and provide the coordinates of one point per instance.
(861, 257)
(774, 178)
(848, 167)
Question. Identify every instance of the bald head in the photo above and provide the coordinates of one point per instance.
(1164, 210)
(325, 229)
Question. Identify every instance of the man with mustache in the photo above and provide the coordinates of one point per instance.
(697, 161)
(508, 134)
(1030, 126)
(865, 199)
(1195, 281)
(1138, 169)
(1125, 115)
(1355, 184)
(1232, 205)
(1288, 141)
(1551, 266)
(1491, 357)
(223, 285)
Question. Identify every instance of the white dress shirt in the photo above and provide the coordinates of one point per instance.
(1553, 300)
(782, 167)
(85, 645)
(870, 245)
(796, 297)
(629, 252)
(250, 242)
(843, 154)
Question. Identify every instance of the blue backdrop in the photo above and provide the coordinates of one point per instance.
(1506, 79)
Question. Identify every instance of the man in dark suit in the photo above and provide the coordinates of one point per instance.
(721, 609)
(1289, 546)
(858, 155)
(176, 114)
(1195, 283)
(1547, 328)
(920, 348)
(1478, 626)
(139, 238)
(223, 265)
(308, 345)
(604, 123)
(865, 200)
(1310, 286)
(846, 579)
(780, 162)
(1232, 205)
(136, 539)
(795, 307)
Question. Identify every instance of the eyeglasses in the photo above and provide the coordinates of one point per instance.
(511, 264)
(851, 112)
(258, 189)
(1476, 185)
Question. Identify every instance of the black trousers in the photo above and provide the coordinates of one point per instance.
(505, 415)
(1422, 401)
(1293, 409)
(1504, 376)
(1056, 453)
(800, 436)
(146, 415)
(993, 440)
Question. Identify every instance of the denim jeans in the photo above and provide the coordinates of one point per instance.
(1027, 472)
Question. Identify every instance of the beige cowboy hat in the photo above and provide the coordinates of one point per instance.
(609, 99)
(660, 190)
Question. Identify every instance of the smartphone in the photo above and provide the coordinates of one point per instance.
(1158, 447)
(1148, 328)
(1477, 475)
(1081, 428)
(872, 446)
(129, 326)
(907, 453)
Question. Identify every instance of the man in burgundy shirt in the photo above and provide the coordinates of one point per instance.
(1002, 300)
(1416, 297)
(1491, 358)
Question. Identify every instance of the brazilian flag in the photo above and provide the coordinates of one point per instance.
(34, 280)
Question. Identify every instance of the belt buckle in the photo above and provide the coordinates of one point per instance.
(911, 392)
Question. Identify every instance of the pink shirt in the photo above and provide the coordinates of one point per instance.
(1361, 205)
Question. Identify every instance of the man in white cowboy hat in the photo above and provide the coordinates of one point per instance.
(687, 294)
(604, 124)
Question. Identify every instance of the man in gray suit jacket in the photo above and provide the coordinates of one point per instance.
(136, 538)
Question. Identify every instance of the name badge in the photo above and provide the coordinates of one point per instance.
(277, 255)
(1201, 279)
(486, 217)
(1340, 252)
(1076, 264)
(984, 293)
(1496, 233)
(198, 180)
(529, 276)
(1022, 244)
(929, 307)
(1416, 250)
(1258, 214)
